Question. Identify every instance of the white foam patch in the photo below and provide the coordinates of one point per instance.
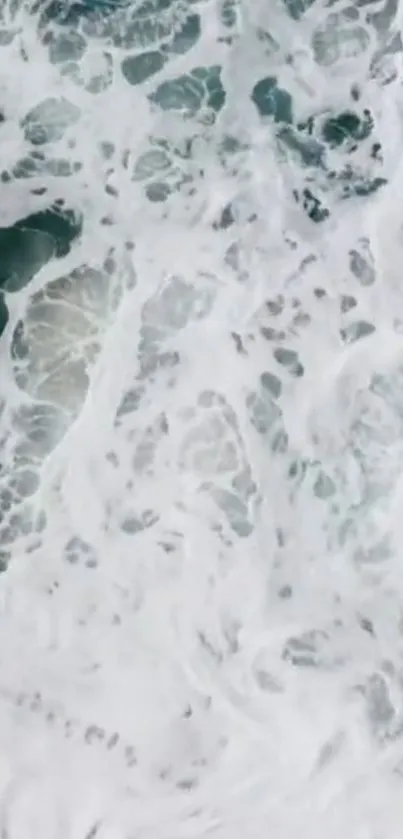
(201, 426)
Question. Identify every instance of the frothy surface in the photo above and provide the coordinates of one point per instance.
(201, 420)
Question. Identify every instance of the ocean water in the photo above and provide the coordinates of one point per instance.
(201, 419)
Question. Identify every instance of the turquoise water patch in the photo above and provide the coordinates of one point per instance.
(65, 46)
(189, 93)
(297, 8)
(312, 206)
(64, 226)
(4, 315)
(38, 164)
(48, 121)
(72, 13)
(347, 126)
(138, 68)
(151, 163)
(185, 37)
(272, 100)
(349, 131)
(28, 245)
(22, 254)
(163, 169)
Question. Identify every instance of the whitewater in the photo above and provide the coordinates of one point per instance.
(201, 419)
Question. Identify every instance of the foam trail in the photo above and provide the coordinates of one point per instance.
(201, 420)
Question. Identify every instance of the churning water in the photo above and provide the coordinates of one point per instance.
(201, 265)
